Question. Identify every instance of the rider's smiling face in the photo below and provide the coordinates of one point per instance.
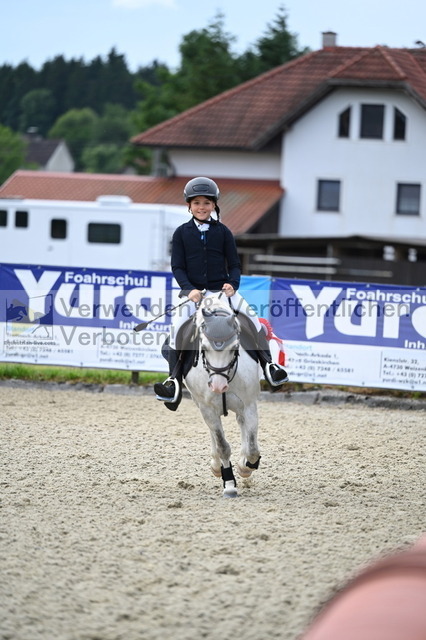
(201, 207)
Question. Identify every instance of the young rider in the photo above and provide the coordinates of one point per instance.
(205, 259)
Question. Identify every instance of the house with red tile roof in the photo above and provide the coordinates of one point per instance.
(319, 162)
(342, 131)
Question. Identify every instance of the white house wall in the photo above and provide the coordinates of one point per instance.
(226, 164)
(60, 160)
(369, 170)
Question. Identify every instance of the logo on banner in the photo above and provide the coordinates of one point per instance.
(32, 319)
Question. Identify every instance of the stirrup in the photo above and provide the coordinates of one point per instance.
(175, 397)
(268, 374)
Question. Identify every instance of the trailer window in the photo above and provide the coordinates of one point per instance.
(21, 219)
(104, 233)
(3, 217)
(58, 228)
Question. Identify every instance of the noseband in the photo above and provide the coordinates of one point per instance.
(225, 371)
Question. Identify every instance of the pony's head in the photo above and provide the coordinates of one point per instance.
(219, 333)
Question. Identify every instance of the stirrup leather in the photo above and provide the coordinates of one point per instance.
(176, 394)
(269, 378)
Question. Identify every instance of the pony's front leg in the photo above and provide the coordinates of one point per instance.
(221, 453)
(250, 455)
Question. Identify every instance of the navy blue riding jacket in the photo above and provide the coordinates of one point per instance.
(208, 264)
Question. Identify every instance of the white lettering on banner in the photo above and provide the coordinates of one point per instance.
(66, 300)
(107, 297)
(315, 306)
(418, 318)
(37, 290)
(365, 312)
(156, 293)
(392, 312)
(126, 280)
(74, 300)
(377, 295)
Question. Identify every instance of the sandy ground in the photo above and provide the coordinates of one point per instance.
(112, 526)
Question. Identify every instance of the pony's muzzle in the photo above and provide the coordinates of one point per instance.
(218, 384)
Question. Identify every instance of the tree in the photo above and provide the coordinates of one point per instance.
(76, 127)
(14, 84)
(117, 81)
(103, 158)
(278, 45)
(54, 76)
(37, 109)
(208, 66)
(159, 101)
(108, 150)
(12, 152)
(115, 126)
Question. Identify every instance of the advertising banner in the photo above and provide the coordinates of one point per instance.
(352, 334)
(84, 317)
(349, 334)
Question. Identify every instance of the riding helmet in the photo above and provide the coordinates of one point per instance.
(201, 187)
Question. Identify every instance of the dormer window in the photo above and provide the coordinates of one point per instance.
(345, 123)
(372, 118)
(399, 124)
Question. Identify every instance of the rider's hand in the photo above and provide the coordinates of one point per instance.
(228, 289)
(195, 295)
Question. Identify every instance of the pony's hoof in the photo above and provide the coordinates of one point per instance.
(244, 472)
(230, 493)
(230, 489)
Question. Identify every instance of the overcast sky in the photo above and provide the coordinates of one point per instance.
(147, 30)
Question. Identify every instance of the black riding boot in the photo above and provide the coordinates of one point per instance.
(275, 374)
(170, 391)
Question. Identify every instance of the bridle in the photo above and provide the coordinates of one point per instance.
(218, 343)
(228, 371)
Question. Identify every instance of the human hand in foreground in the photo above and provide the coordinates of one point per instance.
(228, 289)
(195, 295)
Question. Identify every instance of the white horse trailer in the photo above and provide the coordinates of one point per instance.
(111, 232)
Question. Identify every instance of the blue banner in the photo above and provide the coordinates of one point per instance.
(84, 317)
(349, 313)
(83, 297)
(333, 332)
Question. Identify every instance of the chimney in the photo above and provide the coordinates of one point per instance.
(329, 39)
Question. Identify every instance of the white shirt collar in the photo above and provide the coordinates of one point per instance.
(202, 226)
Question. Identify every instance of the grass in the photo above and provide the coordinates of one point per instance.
(45, 373)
